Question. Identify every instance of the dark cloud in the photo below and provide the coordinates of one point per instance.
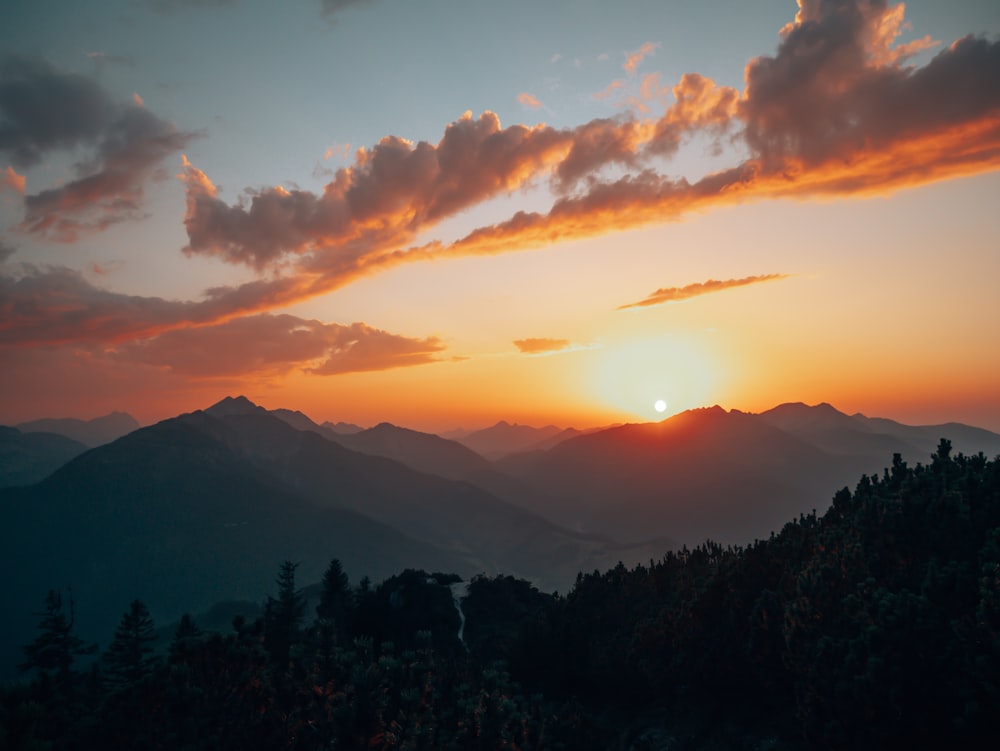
(129, 154)
(43, 109)
(675, 294)
(541, 345)
(276, 344)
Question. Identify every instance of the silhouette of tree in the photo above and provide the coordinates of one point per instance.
(54, 650)
(283, 616)
(129, 658)
(336, 598)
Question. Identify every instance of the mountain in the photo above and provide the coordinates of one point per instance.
(177, 515)
(90, 433)
(203, 508)
(27, 458)
(423, 452)
(964, 438)
(493, 535)
(342, 428)
(505, 438)
(708, 473)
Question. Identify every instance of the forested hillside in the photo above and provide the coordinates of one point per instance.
(874, 625)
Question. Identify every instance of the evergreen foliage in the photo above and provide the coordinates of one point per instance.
(129, 658)
(873, 625)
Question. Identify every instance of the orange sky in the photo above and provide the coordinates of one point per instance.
(818, 223)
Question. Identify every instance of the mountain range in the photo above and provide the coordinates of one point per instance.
(204, 507)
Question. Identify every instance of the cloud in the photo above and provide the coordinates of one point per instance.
(276, 344)
(634, 59)
(111, 187)
(6, 251)
(527, 100)
(43, 110)
(391, 193)
(542, 345)
(9, 179)
(675, 294)
(836, 111)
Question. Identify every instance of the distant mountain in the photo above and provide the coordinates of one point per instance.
(90, 433)
(202, 508)
(179, 516)
(343, 428)
(423, 452)
(27, 458)
(964, 438)
(505, 438)
(702, 474)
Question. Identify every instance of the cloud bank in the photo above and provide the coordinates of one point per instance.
(836, 111)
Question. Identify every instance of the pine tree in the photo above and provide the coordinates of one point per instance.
(129, 658)
(335, 598)
(53, 651)
(283, 616)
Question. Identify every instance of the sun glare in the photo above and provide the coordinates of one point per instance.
(635, 375)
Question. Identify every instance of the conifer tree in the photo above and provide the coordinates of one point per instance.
(335, 597)
(283, 616)
(129, 658)
(53, 651)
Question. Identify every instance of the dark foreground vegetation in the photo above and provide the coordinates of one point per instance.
(875, 625)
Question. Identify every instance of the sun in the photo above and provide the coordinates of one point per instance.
(660, 405)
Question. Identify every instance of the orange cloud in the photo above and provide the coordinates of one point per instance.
(541, 345)
(276, 344)
(527, 100)
(634, 59)
(675, 294)
(10, 179)
(833, 113)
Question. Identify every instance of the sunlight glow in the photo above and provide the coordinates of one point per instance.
(631, 376)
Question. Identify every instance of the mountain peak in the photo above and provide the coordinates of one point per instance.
(238, 405)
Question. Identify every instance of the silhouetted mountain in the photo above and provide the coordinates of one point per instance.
(964, 438)
(505, 438)
(178, 515)
(423, 452)
(492, 535)
(202, 508)
(90, 433)
(296, 419)
(342, 428)
(27, 458)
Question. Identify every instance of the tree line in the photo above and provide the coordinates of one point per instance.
(873, 625)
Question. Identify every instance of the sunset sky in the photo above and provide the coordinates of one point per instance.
(446, 213)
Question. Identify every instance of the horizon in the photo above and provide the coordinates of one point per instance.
(444, 225)
(468, 429)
